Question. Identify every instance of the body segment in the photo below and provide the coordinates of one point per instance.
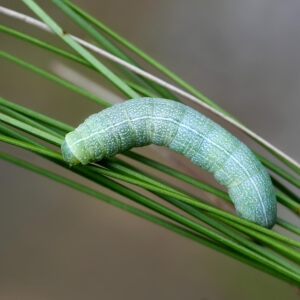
(140, 122)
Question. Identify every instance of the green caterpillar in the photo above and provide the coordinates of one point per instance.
(144, 121)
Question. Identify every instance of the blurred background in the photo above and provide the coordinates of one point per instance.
(56, 243)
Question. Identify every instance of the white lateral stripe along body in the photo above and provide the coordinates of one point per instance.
(145, 121)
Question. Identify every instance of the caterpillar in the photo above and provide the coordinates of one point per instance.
(145, 121)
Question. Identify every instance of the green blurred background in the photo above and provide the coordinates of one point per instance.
(56, 243)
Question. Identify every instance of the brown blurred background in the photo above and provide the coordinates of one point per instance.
(56, 243)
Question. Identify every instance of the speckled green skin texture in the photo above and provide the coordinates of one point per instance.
(140, 122)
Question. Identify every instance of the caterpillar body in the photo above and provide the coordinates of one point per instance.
(144, 121)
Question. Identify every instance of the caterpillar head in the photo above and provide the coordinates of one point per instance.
(68, 155)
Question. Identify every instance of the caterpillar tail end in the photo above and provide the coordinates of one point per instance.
(68, 155)
(265, 216)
